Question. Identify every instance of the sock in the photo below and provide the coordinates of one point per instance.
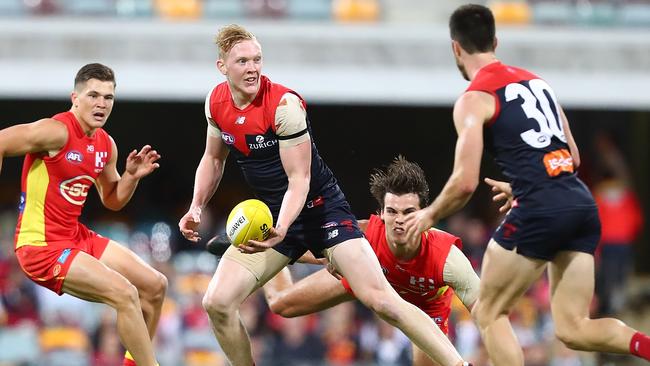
(128, 360)
(640, 346)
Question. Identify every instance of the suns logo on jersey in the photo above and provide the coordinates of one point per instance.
(75, 190)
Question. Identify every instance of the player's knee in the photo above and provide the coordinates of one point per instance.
(569, 334)
(157, 288)
(384, 305)
(218, 308)
(279, 307)
(123, 295)
(479, 315)
(484, 314)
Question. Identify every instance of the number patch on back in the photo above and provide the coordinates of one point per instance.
(538, 92)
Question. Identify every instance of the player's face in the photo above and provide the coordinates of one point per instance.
(396, 207)
(92, 103)
(243, 67)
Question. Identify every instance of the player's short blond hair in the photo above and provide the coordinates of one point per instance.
(229, 36)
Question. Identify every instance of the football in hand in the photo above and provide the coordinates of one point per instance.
(249, 220)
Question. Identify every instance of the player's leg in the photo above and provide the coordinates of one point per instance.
(312, 294)
(356, 261)
(91, 280)
(505, 277)
(421, 359)
(572, 285)
(236, 277)
(151, 284)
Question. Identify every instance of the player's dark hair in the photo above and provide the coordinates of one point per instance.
(473, 27)
(400, 177)
(94, 71)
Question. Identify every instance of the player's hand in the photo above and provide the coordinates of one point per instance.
(502, 191)
(416, 223)
(189, 224)
(142, 163)
(276, 235)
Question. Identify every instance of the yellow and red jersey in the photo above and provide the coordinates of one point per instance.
(54, 188)
(419, 280)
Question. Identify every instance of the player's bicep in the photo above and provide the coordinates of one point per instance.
(459, 274)
(296, 161)
(46, 135)
(291, 121)
(471, 112)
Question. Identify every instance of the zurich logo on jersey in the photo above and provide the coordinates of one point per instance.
(74, 156)
(227, 138)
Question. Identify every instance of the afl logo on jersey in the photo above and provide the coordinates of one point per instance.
(227, 138)
(75, 190)
(74, 157)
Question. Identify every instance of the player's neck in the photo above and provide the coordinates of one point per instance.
(476, 62)
(405, 252)
(242, 100)
(87, 129)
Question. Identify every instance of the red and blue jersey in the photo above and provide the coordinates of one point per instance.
(527, 138)
(251, 137)
(54, 189)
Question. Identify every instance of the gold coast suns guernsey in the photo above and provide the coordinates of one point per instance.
(419, 280)
(54, 189)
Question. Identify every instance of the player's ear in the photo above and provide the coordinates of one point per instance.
(73, 98)
(221, 66)
(495, 43)
(455, 46)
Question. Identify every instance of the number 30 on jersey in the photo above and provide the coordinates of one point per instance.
(549, 122)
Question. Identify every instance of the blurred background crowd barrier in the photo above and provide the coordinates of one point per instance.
(379, 80)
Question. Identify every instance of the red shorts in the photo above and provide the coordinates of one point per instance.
(441, 318)
(48, 265)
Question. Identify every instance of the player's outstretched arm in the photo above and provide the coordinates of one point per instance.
(471, 111)
(206, 181)
(116, 191)
(296, 161)
(314, 293)
(45, 135)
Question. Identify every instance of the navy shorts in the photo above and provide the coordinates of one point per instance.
(543, 235)
(321, 224)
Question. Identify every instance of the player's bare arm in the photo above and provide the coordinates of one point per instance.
(295, 154)
(116, 191)
(45, 135)
(471, 111)
(296, 161)
(206, 181)
(573, 147)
